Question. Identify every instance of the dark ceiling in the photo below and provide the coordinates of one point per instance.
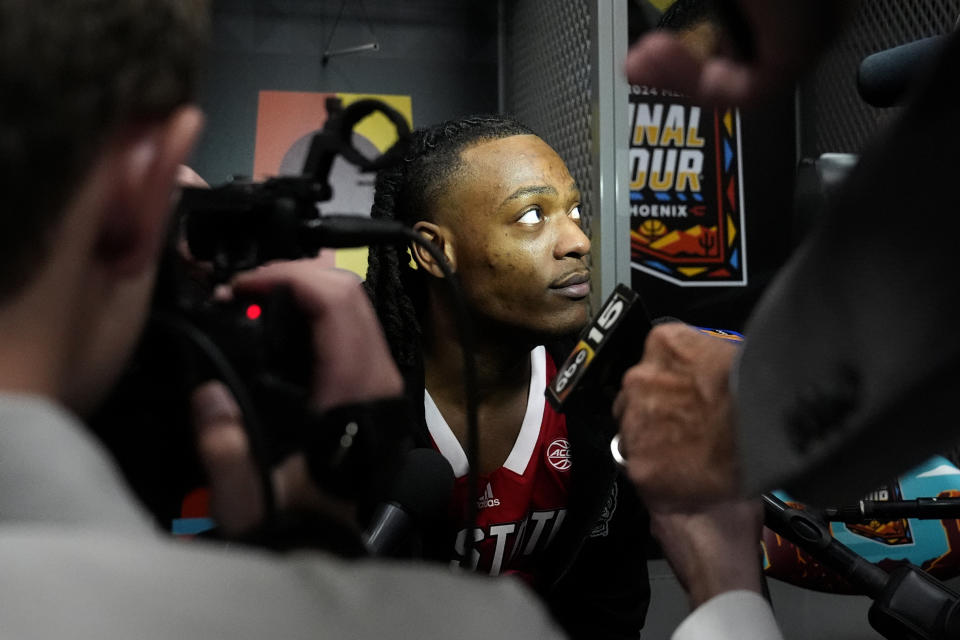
(376, 11)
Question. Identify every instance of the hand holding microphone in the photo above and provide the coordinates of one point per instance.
(676, 416)
(777, 41)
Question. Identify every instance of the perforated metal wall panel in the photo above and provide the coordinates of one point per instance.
(548, 82)
(833, 116)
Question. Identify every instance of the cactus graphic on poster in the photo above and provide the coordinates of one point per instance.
(686, 190)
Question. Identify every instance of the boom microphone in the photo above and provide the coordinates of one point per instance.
(882, 510)
(884, 77)
(422, 491)
(908, 602)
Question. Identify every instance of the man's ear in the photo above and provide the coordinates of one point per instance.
(147, 162)
(437, 236)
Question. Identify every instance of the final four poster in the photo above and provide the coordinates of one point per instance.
(686, 191)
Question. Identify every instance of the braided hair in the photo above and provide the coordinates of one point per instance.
(406, 193)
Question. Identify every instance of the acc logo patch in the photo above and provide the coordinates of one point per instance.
(558, 454)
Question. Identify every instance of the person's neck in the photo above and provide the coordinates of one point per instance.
(499, 369)
(41, 324)
(31, 346)
(503, 381)
(502, 365)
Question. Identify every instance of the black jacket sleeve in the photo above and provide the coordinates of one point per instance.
(596, 569)
(604, 593)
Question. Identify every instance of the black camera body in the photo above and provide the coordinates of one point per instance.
(242, 224)
(260, 347)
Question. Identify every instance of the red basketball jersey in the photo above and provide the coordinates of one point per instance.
(522, 504)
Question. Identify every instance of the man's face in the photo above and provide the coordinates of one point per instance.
(514, 215)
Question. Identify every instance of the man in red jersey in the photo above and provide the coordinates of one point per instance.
(503, 208)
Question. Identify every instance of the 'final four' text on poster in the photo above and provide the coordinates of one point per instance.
(686, 203)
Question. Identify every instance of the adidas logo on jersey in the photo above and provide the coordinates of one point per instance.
(487, 499)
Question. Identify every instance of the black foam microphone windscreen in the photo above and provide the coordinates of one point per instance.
(884, 78)
(421, 491)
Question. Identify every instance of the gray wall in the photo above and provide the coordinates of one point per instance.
(442, 53)
(833, 117)
(562, 76)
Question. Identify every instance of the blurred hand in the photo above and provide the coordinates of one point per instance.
(713, 550)
(352, 364)
(787, 37)
(677, 429)
(236, 495)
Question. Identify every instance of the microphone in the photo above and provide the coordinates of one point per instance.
(808, 532)
(883, 510)
(346, 231)
(421, 492)
(913, 518)
(884, 77)
(908, 602)
(611, 343)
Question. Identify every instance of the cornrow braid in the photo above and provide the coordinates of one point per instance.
(406, 193)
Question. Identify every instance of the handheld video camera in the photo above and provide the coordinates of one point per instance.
(260, 347)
